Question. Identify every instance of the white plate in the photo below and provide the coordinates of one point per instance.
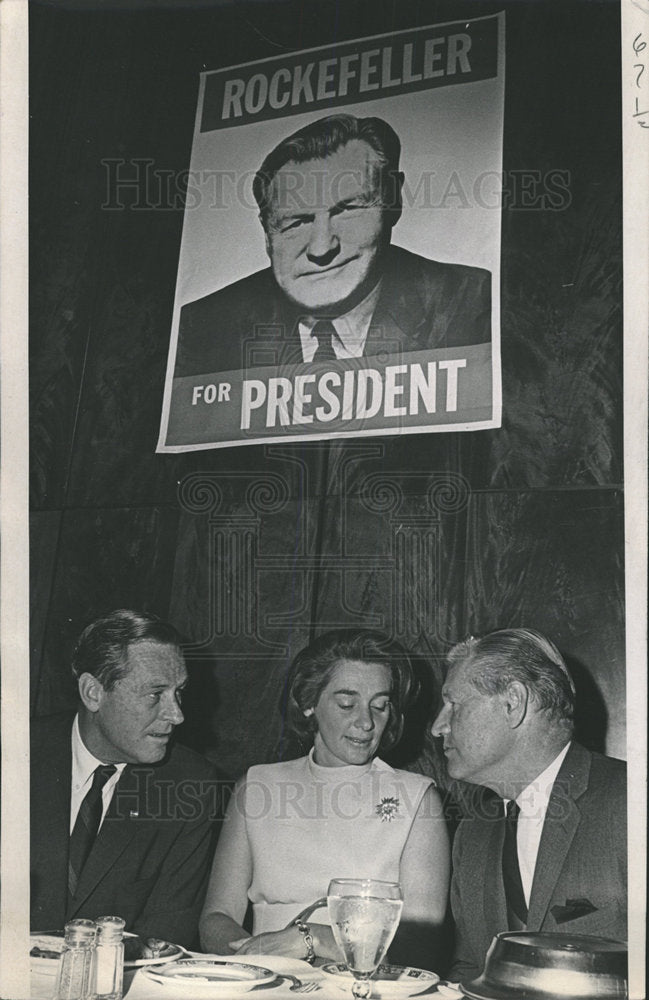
(389, 982)
(200, 975)
(54, 943)
(276, 963)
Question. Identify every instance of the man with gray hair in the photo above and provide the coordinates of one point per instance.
(552, 855)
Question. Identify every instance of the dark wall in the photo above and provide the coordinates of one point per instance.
(250, 550)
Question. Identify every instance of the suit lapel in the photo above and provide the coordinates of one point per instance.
(494, 906)
(399, 313)
(115, 835)
(286, 318)
(561, 822)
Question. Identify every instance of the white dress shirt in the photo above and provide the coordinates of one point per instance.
(533, 803)
(83, 768)
(351, 329)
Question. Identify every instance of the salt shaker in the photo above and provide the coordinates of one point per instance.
(75, 961)
(107, 974)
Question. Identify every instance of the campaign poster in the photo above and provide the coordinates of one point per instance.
(339, 272)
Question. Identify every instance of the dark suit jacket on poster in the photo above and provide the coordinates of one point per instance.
(581, 860)
(423, 304)
(150, 862)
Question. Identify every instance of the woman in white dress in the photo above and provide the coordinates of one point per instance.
(338, 812)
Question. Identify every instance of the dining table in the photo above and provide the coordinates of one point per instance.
(293, 978)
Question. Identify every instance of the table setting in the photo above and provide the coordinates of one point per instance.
(364, 916)
(216, 977)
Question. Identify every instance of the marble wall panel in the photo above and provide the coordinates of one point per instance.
(44, 532)
(106, 559)
(554, 561)
(243, 592)
(76, 99)
(545, 560)
(65, 255)
(234, 711)
(243, 577)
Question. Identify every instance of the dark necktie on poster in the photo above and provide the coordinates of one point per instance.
(324, 332)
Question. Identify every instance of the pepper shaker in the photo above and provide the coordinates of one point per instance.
(76, 960)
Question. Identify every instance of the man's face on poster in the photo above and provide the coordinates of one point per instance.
(327, 229)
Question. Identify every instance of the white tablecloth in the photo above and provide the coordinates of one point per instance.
(138, 986)
(143, 988)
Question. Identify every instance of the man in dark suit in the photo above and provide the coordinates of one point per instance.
(329, 197)
(557, 860)
(121, 819)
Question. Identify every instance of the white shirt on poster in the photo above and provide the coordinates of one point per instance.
(351, 329)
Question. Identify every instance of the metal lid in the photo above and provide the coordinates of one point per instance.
(542, 966)
(80, 932)
(109, 929)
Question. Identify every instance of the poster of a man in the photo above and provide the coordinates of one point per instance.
(329, 197)
(370, 297)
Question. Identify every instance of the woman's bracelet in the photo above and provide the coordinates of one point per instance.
(305, 931)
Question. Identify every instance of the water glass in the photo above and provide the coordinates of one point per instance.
(364, 916)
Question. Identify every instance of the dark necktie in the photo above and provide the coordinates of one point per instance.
(514, 895)
(324, 332)
(87, 825)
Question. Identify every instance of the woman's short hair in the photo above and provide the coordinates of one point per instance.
(102, 648)
(524, 655)
(313, 667)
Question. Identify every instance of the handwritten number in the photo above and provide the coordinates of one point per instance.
(639, 46)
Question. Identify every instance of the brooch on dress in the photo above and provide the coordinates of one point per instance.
(387, 808)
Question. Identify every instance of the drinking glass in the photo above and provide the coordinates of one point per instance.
(364, 914)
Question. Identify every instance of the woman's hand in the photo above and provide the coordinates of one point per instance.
(288, 942)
